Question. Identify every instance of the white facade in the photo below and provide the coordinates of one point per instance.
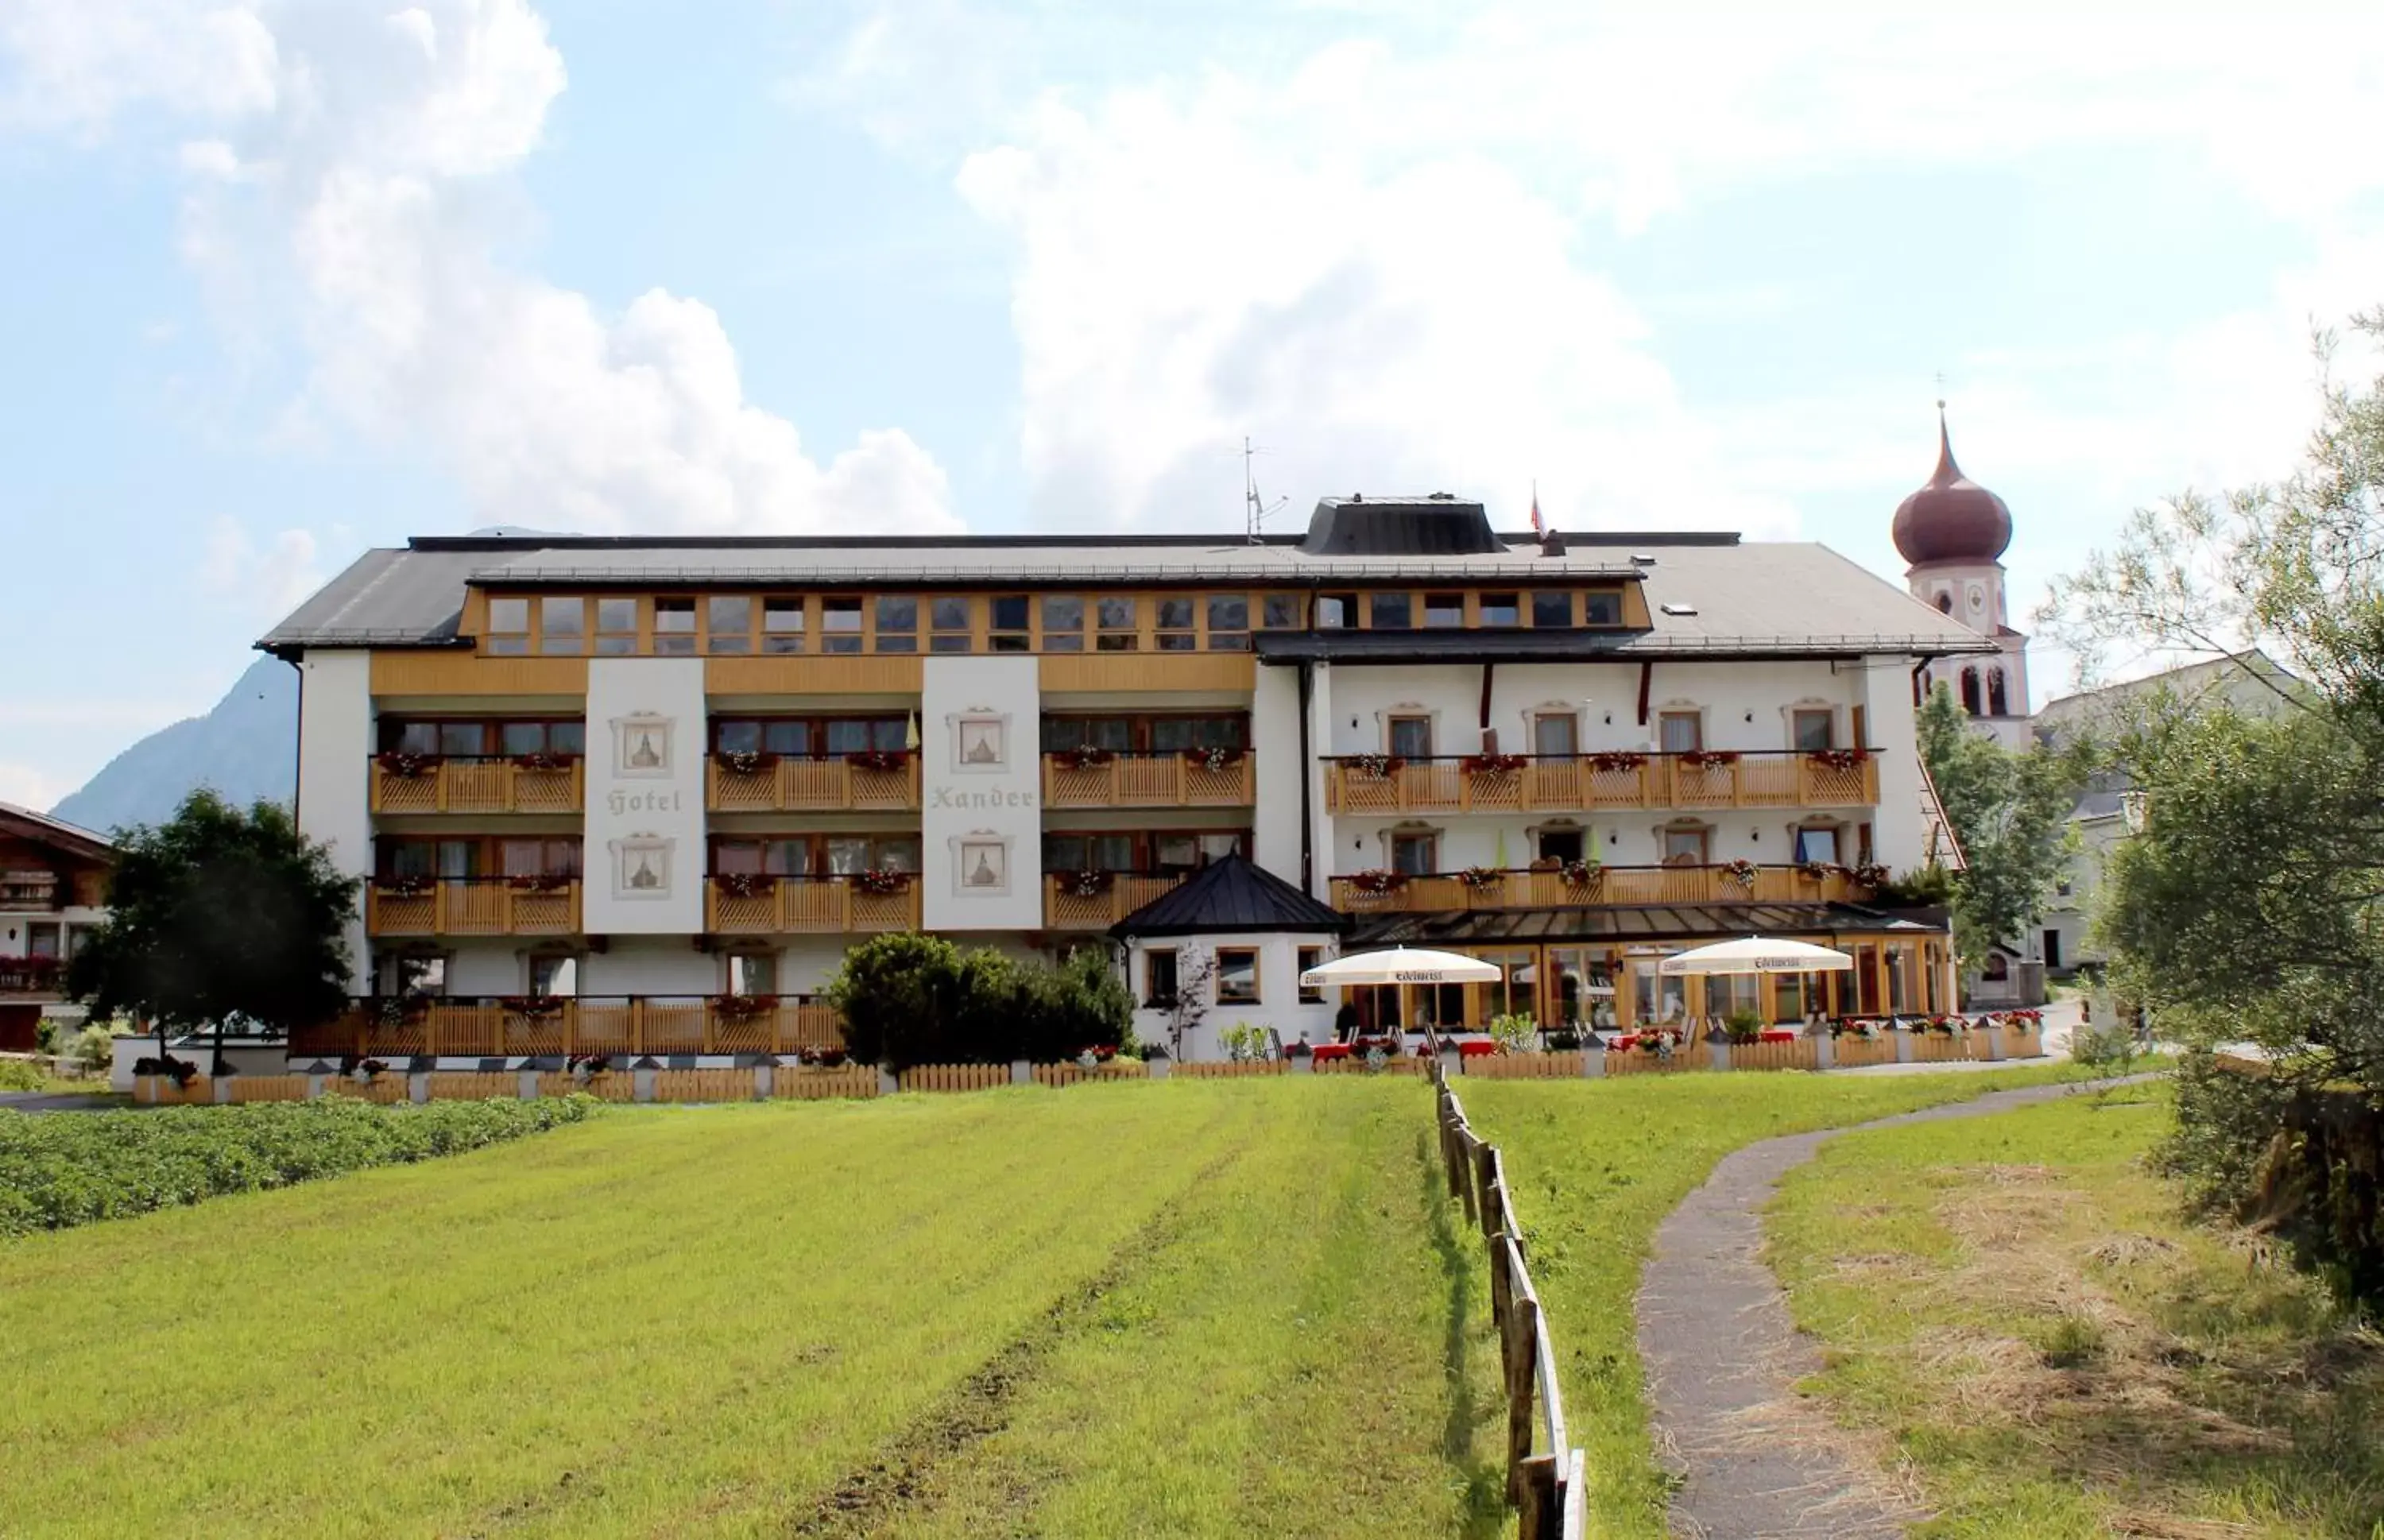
(335, 744)
(642, 856)
(1279, 1008)
(980, 794)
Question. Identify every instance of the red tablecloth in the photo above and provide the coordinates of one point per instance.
(1778, 1035)
(1326, 1052)
(1476, 1049)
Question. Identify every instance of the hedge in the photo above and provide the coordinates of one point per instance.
(63, 1169)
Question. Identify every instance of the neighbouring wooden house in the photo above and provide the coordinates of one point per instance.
(53, 889)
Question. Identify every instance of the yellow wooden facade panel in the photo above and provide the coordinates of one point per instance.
(835, 675)
(417, 672)
(1089, 673)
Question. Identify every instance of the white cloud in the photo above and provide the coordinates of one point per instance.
(270, 581)
(82, 62)
(28, 786)
(360, 196)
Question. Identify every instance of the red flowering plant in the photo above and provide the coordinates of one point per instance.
(1379, 879)
(369, 1069)
(535, 1007)
(539, 882)
(1087, 758)
(745, 762)
(1838, 759)
(744, 885)
(823, 1058)
(1087, 883)
(878, 759)
(407, 767)
(1477, 879)
(1869, 873)
(1212, 760)
(542, 761)
(1584, 873)
(403, 887)
(1709, 759)
(587, 1066)
(882, 882)
(1740, 871)
(744, 1008)
(1490, 767)
(1623, 760)
(1376, 766)
(1818, 871)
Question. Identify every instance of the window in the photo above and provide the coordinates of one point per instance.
(1998, 703)
(898, 623)
(1217, 847)
(2052, 952)
(569, 738)
(1238, 975)
(675, 628)
(1311, 957)
(42, 938)
(414, 974)
(1818, 843)
(1814, 728)
(1552, 608)
(777, 857)
(1063, 623)
(1281, 612)
(854, 735)
(1064, 733)
(1229, 623)
(752, 973)
(463, 738)
(1556, 735)
(782, 624)
(1444, 609)
(1681, 732)
(849, 853)
(1158, 977)
(1119, 622)
(1005, 629)
(1970, 701)
(1089, 852)
(1411, 737)
(538, 858)
(1173, 735)
(1788, 997)
(948, 623)
(1175, 853)
(509, 626)
(780, 734)
(1337, 612)
(839, 624)
(1174, 628)
(728, 625)
(1392, 612)
(1686, 847)
(1416, 853)
(1558, 844)
(553, 976)
(1601, 607)
(616, 628)
(1501, 609)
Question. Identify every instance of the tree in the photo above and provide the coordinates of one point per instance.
(216, 916)
(2249, 904)
(907, 998)
(2008, 811)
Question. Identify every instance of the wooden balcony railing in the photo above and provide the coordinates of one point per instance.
(475, 784)
(796, 784)
(623, 1025)
(31, 976)
(1574, 783)
(1445, 892)
(778, 905)
(474, 906)
(1065, 907)
(1151, 779)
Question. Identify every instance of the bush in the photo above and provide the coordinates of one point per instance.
(93, 1048)
(45, 1035)
(1743, 1026)
(909, 1000)
(21, 1074)
(60, 1170)
(1515, 1033)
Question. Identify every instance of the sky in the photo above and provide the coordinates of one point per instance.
(284, 281)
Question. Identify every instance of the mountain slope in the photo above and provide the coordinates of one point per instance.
(246, 747)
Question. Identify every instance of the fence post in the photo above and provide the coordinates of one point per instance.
(887, 1084)
(1539, 1508)
(766, 1079)
(1994, 1042)
(1522, 1339)
(1486, 1176)
(1593, 1056)
(526, 1085)
(417, 1086)
(1903, 1045)
(1502, 1292)
(1825, 1050)
(1021, 1072)
(1160, 1067)
(641, 1081)
(1718, 1053)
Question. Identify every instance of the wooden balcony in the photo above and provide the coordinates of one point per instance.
(475, 784)
(774, 906)
(619, 1024)
(1066, 909)
(1153, 779)
(801, 785)
(31, 977)
(1580, 783)
(1446, 892)
(474, 906)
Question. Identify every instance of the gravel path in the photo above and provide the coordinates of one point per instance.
(1756, 1462)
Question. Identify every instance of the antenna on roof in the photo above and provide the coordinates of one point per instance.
(1258, 508)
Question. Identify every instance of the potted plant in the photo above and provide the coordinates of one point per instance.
(1583, 873)
(1740, 871)
(1087, 883)
(1492, 767)
(737, 1009)
(878, 759)
(1212, 760)
(745, 762)
(540, 761)
(1709, 759)
(1481, 878)
(1373, 766)
(407, 767)
(1087, 758)
(882, 882)
(1618, 759)
(404, 887)
(1868, 874)
(585, 1067)
(1743, 1026)
(744, 885)
(1838, 759)
(1378, 880)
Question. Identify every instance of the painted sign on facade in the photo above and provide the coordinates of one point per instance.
(981, 775)
(644, 848)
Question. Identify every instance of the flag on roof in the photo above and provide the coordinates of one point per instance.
(1539, 525)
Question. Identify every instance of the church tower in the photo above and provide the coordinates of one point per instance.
(1952, 533)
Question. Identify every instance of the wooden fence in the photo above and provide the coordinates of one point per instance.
(1525, 1066)
(1546, 1480)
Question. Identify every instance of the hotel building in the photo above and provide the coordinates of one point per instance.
(645, 775)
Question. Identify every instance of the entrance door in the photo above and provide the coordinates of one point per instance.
(2052, 948)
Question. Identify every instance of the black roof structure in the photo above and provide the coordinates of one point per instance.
(1628, 923)
(1231, 896)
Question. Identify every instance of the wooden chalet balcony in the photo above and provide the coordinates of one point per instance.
(452, 783)
(620, 1024)
(1151, 778)
(771, 906)
(1362, 783)
(1448, 892)
(474, 906)
(1066, 908)
(767, 783)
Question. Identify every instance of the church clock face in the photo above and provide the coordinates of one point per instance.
(1978, 599)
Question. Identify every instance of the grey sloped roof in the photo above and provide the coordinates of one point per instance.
(1625, 923)
(1724, 596)
(1232, 896)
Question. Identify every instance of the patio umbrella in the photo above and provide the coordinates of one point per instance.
(1401, 965)
(1757, 954)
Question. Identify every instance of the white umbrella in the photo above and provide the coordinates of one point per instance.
(1757, 954)
(1401, 965)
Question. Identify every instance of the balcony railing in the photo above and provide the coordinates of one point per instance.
(798, 784)
(475, 784)
(626, 1025)
(1446, 892)
(474, 906)
(1147, 779)
(1361, 784)
(1067, 907)
(30, 976)
(760, 906)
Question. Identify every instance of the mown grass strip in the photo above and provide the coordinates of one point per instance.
(2015, 1308)
(63, 1169)
(1594, 1167)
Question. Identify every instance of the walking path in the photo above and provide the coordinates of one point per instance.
(1723, 1360)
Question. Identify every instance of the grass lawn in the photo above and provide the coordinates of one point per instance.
(1594, 1166)
(2014, 1304)
(1220, 1308)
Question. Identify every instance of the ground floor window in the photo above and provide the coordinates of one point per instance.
(1513, 993)
(1311, 957)
(753, 972)
(555, 975)
(1158, 977)
(413, 974)
(1238, 975)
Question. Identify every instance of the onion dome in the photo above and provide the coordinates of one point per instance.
(1952, 519)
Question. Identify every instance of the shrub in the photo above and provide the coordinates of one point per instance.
(20, 1074)
(93, 1048)
(59, 1170)
(909, 1000)
(45, 1035)
(1743, 1026)
(1515, 1033)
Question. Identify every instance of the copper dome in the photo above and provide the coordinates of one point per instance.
(1952, 519)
